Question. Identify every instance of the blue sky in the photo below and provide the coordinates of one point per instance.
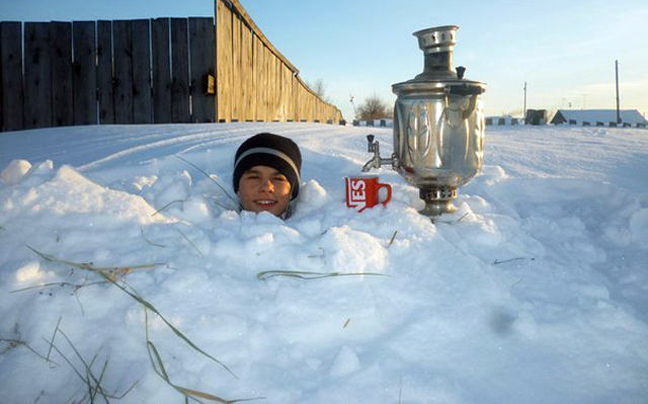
(565, 51)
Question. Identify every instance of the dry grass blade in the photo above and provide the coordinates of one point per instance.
(92, 382)
(13, 343)
(112, 272)
(498, 262)
(195, 247)
(465, 215)
(166, 206)
(58, 323)
(60, 284)
(392, 238)
(149, 306)
(212, 179)
(149, 241)
(158, 367)
(107, 276)
(312, 275)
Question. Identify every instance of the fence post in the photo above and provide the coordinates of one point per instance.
(38, 84)
(203, 59)
(11, 78)
(161, 70)
(85, 74)
(60, 48)
(179, 71)
(142, 103)
(123, 73)
(105, 83)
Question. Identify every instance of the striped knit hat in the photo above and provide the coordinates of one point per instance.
(267, 149)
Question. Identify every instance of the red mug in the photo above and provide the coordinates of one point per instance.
(364, 192)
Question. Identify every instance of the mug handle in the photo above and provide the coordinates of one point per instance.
(389, 193)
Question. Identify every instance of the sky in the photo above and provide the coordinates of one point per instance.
(565, 52)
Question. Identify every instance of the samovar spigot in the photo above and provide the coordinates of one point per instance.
(373, 146)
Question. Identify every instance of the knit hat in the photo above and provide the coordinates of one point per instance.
(267, 149)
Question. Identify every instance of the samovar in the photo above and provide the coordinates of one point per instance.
(438, 125)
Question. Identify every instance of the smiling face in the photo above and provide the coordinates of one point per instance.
(264, 189)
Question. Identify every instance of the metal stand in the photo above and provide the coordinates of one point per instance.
(438, 200)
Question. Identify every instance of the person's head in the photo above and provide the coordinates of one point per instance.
(267, 173)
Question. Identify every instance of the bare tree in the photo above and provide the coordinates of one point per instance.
(319, 88)
(373, 108)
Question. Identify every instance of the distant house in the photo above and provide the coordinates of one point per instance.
(599, 117)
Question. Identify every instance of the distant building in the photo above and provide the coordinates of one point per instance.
(503, 120)
(599, 117)
(536, 117)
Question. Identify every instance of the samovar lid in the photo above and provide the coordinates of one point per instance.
(437, 44)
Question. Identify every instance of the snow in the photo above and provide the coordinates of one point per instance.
(534, 291)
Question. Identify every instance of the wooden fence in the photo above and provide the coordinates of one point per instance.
(163, 70)
(105, 72)
(255, 81)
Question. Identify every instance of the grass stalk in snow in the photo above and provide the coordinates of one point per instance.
(235, 201)
(74, 286)
(15, 343)
(166, 206)
(51, 342)
(107, 275)
(85, 372)
(110, 272)
(200, 254)
(392, 238)
(149, 241)
(311, 275)
(132, 293)
(498, 262)
(159, 368)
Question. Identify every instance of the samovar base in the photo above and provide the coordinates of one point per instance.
(438, 200)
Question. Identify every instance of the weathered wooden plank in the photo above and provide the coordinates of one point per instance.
(202, 43)
(279, 116)
(246, 74)
(303, 102)
(257, 78)
(273, 64)
(161, 70)
(142, 101)
(266, 83)
(38, 89)
(269, 86)
(295, 98)
(105, 83)
(236, 92)
(223, 61)
(286, 85)
(11, 79)
(123, 71)
(85, 73)
(180, 71)
(60, 48)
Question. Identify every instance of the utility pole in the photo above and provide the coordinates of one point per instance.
(525, 95)
(616, 73)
